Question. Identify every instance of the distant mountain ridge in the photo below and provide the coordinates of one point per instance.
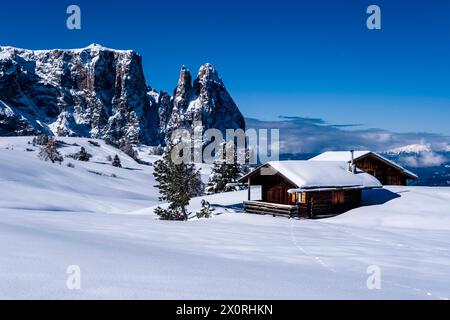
(101, 93)
(412, 148)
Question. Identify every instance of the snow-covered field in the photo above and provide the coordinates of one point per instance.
(101, 219)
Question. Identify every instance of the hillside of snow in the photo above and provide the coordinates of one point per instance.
(101, 219)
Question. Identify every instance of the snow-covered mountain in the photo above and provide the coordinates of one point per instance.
(429, 161)
(206, 100)
(101, 93)
(412, 148)
(420, 155)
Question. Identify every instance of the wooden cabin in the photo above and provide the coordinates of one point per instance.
(306, 189)
(385, 170)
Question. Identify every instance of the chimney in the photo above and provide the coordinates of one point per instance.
(352, 167)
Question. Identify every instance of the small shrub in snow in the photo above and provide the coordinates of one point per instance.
(82, 155)
(145, 163)
(206, 211)
(94, 143)
(49, 152)
(109, 158)
(169, 214)
(71, 165)
(95, 172)
(116, 162)
(60, 144)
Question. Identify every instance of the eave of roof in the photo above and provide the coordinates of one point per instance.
(358, 187)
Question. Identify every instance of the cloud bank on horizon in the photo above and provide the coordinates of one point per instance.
(315, 135)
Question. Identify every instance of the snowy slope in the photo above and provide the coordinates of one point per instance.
(52, 216)
(89, 187)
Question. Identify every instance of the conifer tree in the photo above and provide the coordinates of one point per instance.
(128, 149)
(223, 174)
(83, 155)
(177, 183)
(116, 162)
(41, 140)
(49, 152)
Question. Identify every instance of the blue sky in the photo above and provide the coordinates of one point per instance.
(292, 58)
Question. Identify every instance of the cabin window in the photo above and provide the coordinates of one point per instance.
(293, 197)
(301, 197)
(338, 197)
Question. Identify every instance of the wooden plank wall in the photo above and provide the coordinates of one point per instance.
(275, 189)
(387, 174)
(329, 203)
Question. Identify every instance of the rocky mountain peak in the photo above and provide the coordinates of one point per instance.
(208, 75)
(207, 102)
(95, 46)
(102, 93)
(184, 86)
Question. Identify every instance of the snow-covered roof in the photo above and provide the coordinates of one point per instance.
(307, 174)
(346, 157)
(339, 155)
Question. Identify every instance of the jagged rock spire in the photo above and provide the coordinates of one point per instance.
(207, 101)
(183, 89)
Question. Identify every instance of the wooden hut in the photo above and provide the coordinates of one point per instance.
(386, 171)
(307, 189)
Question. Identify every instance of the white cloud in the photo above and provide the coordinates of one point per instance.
(304, 135)
(424, 159)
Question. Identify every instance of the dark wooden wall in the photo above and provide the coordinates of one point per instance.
(325, 203)
(275, 189)
(387, 174)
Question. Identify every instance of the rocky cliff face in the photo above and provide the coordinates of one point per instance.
(101, 93)
(206, 100)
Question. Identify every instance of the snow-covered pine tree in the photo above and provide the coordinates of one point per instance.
(223, 174)
(128, 149)
(83, 155)
(50, 152)
(116, 162)
(177, 184)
